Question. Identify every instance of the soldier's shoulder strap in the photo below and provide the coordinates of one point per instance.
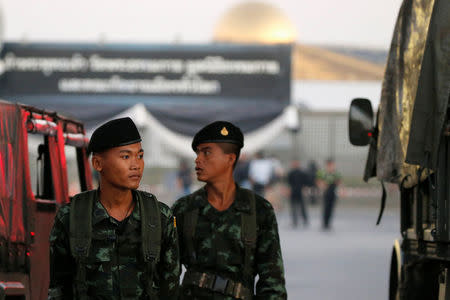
(150, 226)
(80, 236)
(248, 232)
(150, 235)
(189, 225)
(80, 226)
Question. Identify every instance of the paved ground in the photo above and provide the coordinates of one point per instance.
(349, 263)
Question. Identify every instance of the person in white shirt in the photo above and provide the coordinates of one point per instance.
(260, 173)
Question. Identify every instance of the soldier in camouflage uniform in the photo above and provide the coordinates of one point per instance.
(115, 242)
(228, 235)
(328, 179)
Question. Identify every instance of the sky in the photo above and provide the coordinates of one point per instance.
(356, 23)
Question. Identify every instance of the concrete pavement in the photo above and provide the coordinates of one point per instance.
(351, 262)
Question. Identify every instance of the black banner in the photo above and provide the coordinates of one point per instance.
(183, 86)
(224, 71)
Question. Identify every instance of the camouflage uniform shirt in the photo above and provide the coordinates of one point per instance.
(220, 250)
(331, 179)
(118, 271)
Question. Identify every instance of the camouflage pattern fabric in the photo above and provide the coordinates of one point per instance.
(328, 178)
(331, 179)
(220, 250)
(117, 270)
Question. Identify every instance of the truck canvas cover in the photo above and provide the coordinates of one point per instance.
(415, 93)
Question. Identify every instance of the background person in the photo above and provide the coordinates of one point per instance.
(313, 189)
(241, 171)
(297, 180)
(329, 180)
(261, 172)
(184, 177)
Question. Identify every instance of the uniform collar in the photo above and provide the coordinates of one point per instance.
(99, 212)
(241, 203)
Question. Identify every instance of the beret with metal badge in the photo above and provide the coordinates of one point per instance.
(219, 132)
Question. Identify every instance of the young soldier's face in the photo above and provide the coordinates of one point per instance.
(211, 162)
(121, 167)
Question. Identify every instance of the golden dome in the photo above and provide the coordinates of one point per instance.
(255, 22)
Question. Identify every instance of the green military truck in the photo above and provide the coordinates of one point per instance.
(410, 146)
(38, 149)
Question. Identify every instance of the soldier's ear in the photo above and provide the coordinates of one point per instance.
(232, 158)
(97, 162)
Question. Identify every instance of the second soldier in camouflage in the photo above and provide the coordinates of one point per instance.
(228, 235)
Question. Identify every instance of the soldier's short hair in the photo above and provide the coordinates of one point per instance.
(229, 148)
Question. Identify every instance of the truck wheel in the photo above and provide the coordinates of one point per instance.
(395, 272)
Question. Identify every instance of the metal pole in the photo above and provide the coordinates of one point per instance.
(294, 144)
(332, 136)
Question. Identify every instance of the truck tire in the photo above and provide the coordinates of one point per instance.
(395, 272)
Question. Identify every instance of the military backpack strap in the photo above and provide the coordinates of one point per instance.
(248, 233)
(151, 234)
(80, 236)
(189, 225)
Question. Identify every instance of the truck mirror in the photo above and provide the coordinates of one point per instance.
(360, 122)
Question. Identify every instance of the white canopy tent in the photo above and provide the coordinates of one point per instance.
(157, 137)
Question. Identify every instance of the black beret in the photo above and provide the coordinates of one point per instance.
(219, 132)
(115, 133)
